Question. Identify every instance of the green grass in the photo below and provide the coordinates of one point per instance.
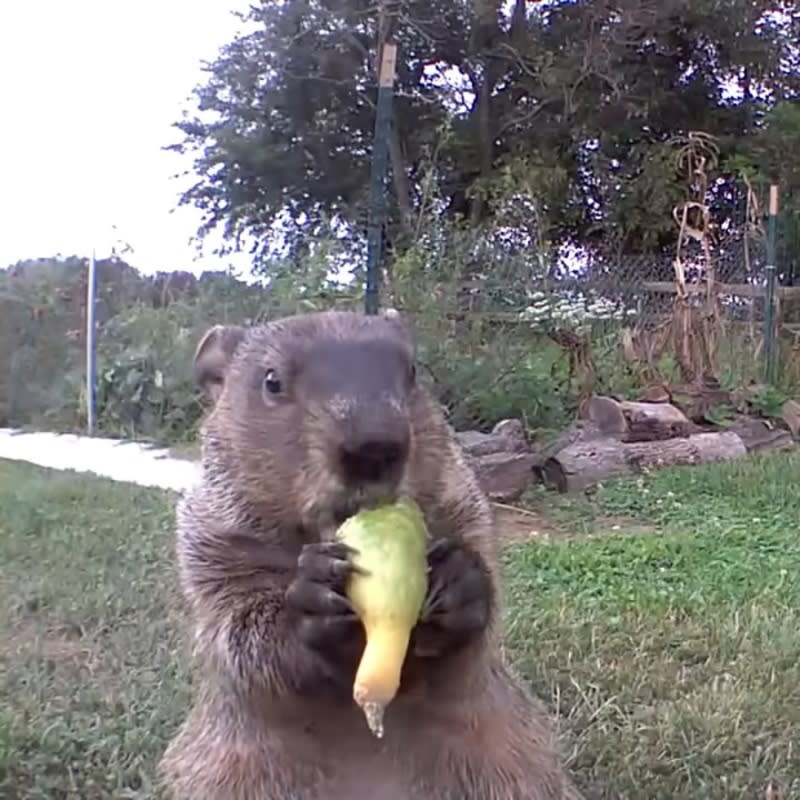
(672, 658)
(91, 676)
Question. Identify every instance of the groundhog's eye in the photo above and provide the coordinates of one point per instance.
(272, 382)
(412, 374)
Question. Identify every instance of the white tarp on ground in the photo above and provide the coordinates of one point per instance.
(129, 462)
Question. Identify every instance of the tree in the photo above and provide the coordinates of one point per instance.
(579, 100)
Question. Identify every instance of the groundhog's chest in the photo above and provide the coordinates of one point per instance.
(351, 764)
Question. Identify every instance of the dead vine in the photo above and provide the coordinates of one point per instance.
(580, 364)
(696, 327)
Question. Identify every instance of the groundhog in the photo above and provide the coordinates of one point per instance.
(312, 418)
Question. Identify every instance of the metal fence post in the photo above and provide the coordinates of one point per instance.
(91, 285)
(380, 147)
(769, 299)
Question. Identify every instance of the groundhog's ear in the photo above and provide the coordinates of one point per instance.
(213, 356)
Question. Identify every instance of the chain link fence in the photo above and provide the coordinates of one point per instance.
(505, 328)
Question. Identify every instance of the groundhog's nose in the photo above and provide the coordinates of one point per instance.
(373, 460)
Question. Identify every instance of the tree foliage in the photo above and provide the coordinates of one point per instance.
(578, 100)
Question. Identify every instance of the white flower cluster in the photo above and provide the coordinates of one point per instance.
(577, 312)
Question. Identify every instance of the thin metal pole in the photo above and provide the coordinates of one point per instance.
(91, 284)
(380, 148)
(769, 299)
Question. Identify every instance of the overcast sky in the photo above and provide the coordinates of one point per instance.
(89, 91)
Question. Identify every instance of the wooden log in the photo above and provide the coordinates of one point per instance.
(580, 432)
(632, 421)
(584, 464)
(649, 422)
(697, 401)
(759, 434)
(790, 414)
(778, 439)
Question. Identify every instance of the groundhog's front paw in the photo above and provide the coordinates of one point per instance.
(457, 605)
(323, 617)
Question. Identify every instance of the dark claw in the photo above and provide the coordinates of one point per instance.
(454, 583)
(326, 563)
(322, 615)
(323, 632)
(312, 598)
(446, 599)
(439, 551)
(471, 618)
(457, 603)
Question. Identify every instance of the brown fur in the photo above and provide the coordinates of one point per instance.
(264, 726)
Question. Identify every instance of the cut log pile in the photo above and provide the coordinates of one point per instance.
(615, 437)
(586, 463)
(502, 460)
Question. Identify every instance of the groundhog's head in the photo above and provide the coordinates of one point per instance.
(313, 412)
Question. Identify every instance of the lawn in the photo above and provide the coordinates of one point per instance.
(671, 656)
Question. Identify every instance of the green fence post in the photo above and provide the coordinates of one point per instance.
(91, 345)
(769, 299)
(380, 147)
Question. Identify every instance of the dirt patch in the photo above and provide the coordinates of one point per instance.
(520, 525)
(64, 645)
